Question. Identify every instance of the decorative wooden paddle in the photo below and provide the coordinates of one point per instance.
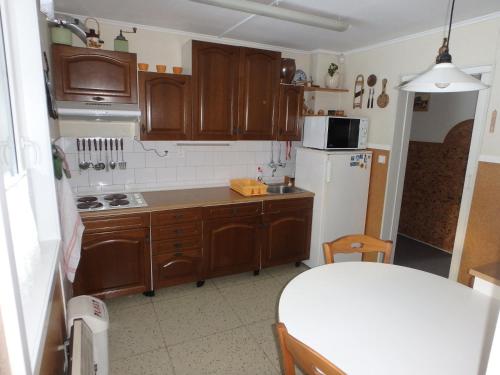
(383, 98)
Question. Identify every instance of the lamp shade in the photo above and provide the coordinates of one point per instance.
(444, 77)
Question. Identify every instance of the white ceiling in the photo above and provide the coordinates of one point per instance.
(372, 21)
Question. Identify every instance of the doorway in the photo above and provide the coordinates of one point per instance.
(438, 150)
(398, 159)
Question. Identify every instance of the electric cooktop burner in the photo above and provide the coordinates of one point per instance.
(119, 202)
(110, 201)
(113, 197)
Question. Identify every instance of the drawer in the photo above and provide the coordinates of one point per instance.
(107, 223)
(232, 210)
(174, 246)
(170, 232)
(278, 205)
(178, 268)
(175, 216)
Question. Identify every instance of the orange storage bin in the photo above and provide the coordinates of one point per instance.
(248, 186)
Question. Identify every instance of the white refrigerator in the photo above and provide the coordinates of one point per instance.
(339, 180)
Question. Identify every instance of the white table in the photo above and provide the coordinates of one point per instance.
(373, 318)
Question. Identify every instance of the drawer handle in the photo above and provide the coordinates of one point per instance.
(178, 216)
(98, 98)
(235, 211)
(177, 231)
(177, 245)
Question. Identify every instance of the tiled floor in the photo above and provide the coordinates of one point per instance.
(414, 254)
(223, 328)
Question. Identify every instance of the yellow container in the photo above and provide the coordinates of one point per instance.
(248, 186)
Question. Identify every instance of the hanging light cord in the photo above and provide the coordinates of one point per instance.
(451, 20)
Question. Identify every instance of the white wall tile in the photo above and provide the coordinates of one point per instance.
(204, 173)
(145, 175)
(123, 176)
(100, 178)
(153, 160)
(166, 174)
(186, 173)
(184, 166)
(135, 160)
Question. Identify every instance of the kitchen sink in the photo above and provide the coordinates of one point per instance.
(282, 189)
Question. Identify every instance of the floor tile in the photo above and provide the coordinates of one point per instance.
(262, 288)
(226, 353)
(134, 330)
(193, 316)
(182, 290)
(120, 303)
(238, 279)
(263, 330)
(151, 363)
(255, 309)
(286, 269)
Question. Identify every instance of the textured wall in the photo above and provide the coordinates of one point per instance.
(482, 242)
(433, 187)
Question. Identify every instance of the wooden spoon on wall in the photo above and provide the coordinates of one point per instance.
(383, 98)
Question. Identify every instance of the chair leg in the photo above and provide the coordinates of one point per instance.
(287, 359)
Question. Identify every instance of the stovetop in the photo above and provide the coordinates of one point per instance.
(104, 202)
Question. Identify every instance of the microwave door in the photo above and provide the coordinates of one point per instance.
(338, 133)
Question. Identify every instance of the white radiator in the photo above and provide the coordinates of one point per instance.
(81, 350)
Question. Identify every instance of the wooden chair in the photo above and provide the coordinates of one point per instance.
(294, 351)
(357, 243)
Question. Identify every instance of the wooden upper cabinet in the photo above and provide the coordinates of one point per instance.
(215, 73)
(259, 88)
(165, 101)
(84, 74)
(290, 113)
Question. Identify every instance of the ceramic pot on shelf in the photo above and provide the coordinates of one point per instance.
(287, 70)
(332, 82)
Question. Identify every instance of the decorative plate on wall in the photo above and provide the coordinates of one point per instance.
(299, 77)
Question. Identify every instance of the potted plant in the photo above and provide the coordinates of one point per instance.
(332, 77)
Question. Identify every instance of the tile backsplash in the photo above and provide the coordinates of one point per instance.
(184, 166)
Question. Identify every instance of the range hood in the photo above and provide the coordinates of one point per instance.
(98, 111)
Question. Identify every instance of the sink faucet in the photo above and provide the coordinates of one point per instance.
(273, 166)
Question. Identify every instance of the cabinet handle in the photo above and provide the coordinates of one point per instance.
(177, 231)
(98, 98)
(178, 254)
(235, 211)
(143, 128)
(177, 216)
(177, 245)
(281, 131)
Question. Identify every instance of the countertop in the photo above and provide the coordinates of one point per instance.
(185, 198)
(488, 272)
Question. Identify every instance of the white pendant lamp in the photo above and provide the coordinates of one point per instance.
(444, 76)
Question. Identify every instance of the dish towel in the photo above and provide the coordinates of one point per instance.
(71, 228)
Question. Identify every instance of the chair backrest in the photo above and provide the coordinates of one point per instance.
(357, 243)
(294, 351)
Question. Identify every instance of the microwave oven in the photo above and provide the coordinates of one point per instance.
(335, 133)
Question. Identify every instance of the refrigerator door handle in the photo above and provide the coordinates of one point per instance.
(328, 171)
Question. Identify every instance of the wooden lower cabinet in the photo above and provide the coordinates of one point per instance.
(114, 263)
(286, 237)
(176, 268)
(231, 245)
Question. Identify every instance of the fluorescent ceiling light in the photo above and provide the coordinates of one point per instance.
(279, 13)
(444, 76)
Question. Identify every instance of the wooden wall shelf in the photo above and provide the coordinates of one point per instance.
(324, 89)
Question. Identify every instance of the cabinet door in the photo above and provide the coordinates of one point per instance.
(84, 74)
(290, 113)
(215, 90)
(231, 245)
(176, 268)
(165, 101)
(259, 93)
(113, 263)
(287, 237)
